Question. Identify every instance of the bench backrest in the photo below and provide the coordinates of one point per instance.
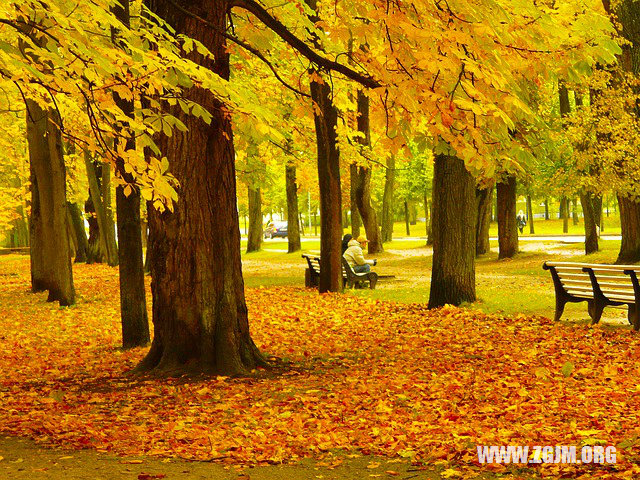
(314, 264)
(586, 279)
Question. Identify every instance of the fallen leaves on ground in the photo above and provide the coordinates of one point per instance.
(367, 376)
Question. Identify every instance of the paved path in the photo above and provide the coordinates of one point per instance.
(21, 459)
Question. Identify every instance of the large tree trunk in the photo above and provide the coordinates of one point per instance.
(50, 249)
(530, 215)
(484, 199)
(507, 226)
(453, 277)
(133, 303)
(254, 238)
(363, 188)
(77, 222)
(630, 226)
(590, 230)
(326, 119)
(356, 221)
(293, 216)
(108, 251)
(387, 199)
(199, 309)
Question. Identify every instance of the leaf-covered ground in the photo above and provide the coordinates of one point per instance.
(367, 377)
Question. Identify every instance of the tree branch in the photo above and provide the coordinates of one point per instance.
(241, 44)
(301, 46)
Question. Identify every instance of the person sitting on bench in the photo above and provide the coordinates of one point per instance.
(355, 257)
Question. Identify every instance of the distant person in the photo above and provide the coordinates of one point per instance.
(521, 220)
(355, 257)
(345, 242)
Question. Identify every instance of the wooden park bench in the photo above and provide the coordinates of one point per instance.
(349, 277)
(598, 285)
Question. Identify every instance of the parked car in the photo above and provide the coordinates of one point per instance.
(276, 229)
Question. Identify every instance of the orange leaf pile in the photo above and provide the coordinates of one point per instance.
(367, 376)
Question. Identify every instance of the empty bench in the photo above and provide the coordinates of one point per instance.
(598, 285)
(349, 277)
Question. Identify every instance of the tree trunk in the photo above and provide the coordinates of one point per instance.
(326, 119)
(363, 186)
(133, 303)
(77, 222)
(453, 277)
(199, 309)
(356, 221)
(50, 249)
(367, 212)
(20, 231)
(108, 249)
(590, 231)
(507, 226)
(596, 201)
(94, 247)
(293, 233)
(254, 239)
(574, 211)
(630, 226)
(110, 230)
(427, 213)
(406, 217)
(546, 209)
(387, 199)
(532, 230)
(564, 213)
(484, 199)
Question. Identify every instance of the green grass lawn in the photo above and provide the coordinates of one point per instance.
(513, 286)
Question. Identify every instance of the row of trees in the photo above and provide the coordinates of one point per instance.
(357, 82)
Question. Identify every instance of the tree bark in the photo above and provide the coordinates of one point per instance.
(326, 119)
(507, 227)
(356, 221)
(94, 248)
(484, 199)
(50, 250)
(387, 199)
(133, 302)
(77, 222)
(630, 226)
(427, 213)
(406, 217)
(110, 230)
(453, 275)
(546, 209)
(596, 201)
(293, 216)
(199, 309)
(108, 251)
(590, 231)
(564, 213)
(363, 186)
(254, 238)
(532, 230)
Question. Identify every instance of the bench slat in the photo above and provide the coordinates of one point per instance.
(594, 266)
